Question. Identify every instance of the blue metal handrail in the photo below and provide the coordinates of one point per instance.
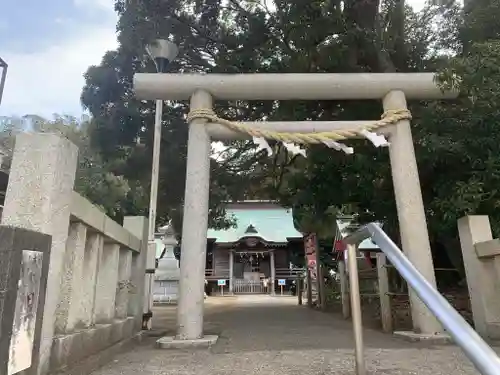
(477, 350)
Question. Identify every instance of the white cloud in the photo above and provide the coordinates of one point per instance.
(50, 81)
(96, 4)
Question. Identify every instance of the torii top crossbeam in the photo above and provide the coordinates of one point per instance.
(291, 86)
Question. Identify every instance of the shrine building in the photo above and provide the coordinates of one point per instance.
(255, 255)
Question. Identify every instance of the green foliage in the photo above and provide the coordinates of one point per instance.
(456, 143)
(462, 142)
(94, 178)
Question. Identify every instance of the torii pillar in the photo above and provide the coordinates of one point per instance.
(392, 88)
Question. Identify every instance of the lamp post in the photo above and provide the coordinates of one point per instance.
(162, 52)
(3, 66)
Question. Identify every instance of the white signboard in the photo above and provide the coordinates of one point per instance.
(221, 282)
(282, 282)
(23, 331)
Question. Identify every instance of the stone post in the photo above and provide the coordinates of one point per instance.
(344, 290)
(138, 226)
(149, 283)
(231, 272)
(124, 281)
(299, 290)
(411, 214)
(72, 279)
(308, 287)
(86, 303)
(273, 273)
(319, 275)
(195, 223)
(383, 290)
(38, 197)
(107, 281)
(322, 289)
(482, 275)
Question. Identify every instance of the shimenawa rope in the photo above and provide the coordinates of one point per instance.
(388, 118)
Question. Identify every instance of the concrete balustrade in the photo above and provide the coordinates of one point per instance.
(95, 285)
(481, 255)
(101, 267)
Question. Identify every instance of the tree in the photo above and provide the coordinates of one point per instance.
(461, 139)
(238, 36)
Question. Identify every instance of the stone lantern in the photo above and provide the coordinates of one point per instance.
(168, 272)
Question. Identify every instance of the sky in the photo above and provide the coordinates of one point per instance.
(49, 45)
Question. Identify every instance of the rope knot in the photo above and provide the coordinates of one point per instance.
(400, 114)
(202, 113)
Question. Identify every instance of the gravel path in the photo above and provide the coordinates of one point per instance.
(274, 336)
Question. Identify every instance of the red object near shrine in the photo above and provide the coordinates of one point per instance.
(339, 246)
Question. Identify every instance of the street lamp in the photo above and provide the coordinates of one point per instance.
(4, 67)
(162, 52)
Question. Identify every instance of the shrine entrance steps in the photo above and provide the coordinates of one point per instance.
(264, 335)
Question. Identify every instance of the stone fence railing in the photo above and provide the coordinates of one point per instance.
(96, 274)
(481, 259)
(377, 281)
(481, 255)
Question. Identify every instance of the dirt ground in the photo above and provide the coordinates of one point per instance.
(273, 335)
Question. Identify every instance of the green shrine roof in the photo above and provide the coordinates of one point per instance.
(266, 220)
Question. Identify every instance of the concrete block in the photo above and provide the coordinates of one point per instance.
(493, 331)
(67, 349)
(171, 342)
(70, 349)
(124, 283)
(90, 341)
(116, 232)
(129, 327)
(434, 339)
(71, 279)
(116, 331)
(86, 302)
(100, 358)
(134, 243)
(481, 273)
(102, 335)
(138, 226)
(121, 329)
(107, 282)
(21, 320)
(84, 211)
(38, 197)
(488, 249)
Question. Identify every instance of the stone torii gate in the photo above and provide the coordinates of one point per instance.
(393, 89)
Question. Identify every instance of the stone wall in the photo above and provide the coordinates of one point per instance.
(95, 283)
